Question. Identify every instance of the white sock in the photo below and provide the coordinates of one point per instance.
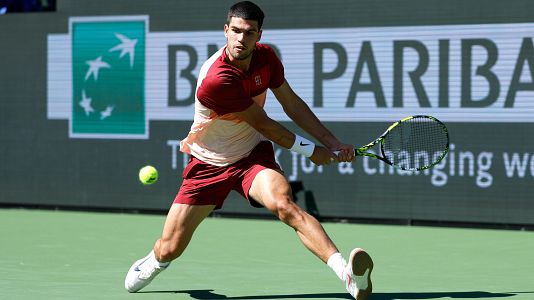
(337, 263)
(152, 259)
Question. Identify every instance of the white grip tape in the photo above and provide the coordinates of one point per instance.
(303, 146)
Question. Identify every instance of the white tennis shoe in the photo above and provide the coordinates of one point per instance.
(142, 272)
(358, 274)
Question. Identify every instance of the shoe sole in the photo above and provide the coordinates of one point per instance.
(361, 261)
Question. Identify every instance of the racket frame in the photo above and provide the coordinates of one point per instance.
(362, 151)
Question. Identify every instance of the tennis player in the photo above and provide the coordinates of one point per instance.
(231, 149)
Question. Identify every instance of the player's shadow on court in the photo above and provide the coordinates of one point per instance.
(439, 295)
(210, 295)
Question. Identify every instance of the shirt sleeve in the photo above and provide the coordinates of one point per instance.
(277, 70)
(224, 93)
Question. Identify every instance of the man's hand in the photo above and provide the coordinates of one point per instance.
(322, 156)
(345, 153)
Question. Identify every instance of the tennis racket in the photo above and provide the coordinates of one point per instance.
(414, 143)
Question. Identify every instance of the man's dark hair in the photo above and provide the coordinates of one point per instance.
(246, 10)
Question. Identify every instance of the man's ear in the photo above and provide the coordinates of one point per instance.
(259, 35)
(226, 30)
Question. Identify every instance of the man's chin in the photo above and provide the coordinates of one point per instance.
(241, 56)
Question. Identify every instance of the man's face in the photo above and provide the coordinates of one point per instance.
(241, 36)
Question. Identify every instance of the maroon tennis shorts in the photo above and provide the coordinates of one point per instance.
(205, 184)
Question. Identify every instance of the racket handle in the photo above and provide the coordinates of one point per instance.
(337, 152)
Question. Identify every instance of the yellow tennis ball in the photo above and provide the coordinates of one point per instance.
(148, 175)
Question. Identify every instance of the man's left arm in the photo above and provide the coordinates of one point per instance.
(302, 115)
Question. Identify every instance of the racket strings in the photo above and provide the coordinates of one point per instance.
(417, 143)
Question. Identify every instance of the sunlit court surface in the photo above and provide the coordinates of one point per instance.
(84, 255)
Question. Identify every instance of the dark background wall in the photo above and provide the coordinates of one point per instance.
(41, 165)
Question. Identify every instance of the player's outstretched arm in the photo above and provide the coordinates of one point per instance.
(303, 116)
(256, 117)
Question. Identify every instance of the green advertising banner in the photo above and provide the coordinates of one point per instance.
(108, 72)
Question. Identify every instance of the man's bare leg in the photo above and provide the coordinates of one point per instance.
(272, 190)
(181, 222)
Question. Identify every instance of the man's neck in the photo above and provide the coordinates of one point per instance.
(243, 65)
